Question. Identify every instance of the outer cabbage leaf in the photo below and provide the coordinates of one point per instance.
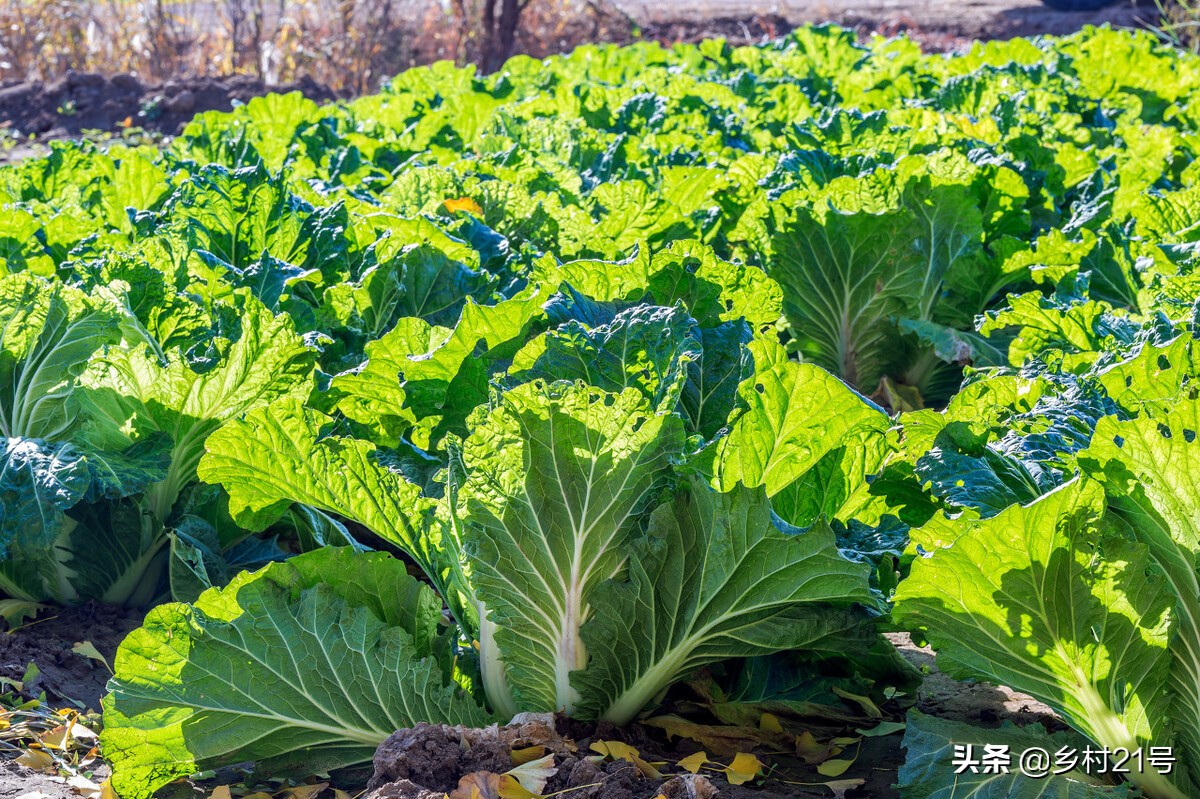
(129, 394)
(47, 334)
(806, 436)
(48, 548)
(304, 667)
(557, 479)
(1051, 601)
(442, 375)
(645, 347)
(282, 454)
(714, 290)
(716, 576)
(929, 768)
(1148, 467)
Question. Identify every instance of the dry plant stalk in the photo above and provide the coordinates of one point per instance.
(349, 46)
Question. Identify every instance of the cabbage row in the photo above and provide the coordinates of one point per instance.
(543, 391)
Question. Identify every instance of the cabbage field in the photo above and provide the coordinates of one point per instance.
(544, 391)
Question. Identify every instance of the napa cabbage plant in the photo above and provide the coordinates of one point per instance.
(592, 541)
(103, 429)
(1081, 592)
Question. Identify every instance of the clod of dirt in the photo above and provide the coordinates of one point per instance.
(433, 757)
(689, 786)
(405, 789)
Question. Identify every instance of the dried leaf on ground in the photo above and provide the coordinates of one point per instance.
(723, 740)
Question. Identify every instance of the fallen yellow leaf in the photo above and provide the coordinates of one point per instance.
(305, 791)
(107, 791)
(85, 787)
(535, 774)
(522, 756)
(57, 738)
(221, 792)
(744, 768)
(623, 751)
(693, 763)
(463, 204)
(769, 723)
(35, 759)
(477, 785)
(725, 741)
(811, 751)
(510, 787)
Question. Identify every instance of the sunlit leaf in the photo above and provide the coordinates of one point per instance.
(744, 768)
(694, 762)
(88, 650)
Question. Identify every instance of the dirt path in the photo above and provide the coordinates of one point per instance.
(951, 19)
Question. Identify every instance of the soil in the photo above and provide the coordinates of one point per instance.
(18, 782)
(939, 25)
(84, 102)
(429, 761)
(68, 678)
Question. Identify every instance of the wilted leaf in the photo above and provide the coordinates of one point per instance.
(81, 733)
(57, 738)
(509, 787)
(724, 740)
(693, 763)
(35, 759)
(522, 756)
(221, 792)
(477, 785)
(769, 723)
(617, 750)
(15, 612)
(811, 751)
(85, 787)
(305, 791)
(90, 757)
(883, 728)
(744, 768)
(839, 787)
